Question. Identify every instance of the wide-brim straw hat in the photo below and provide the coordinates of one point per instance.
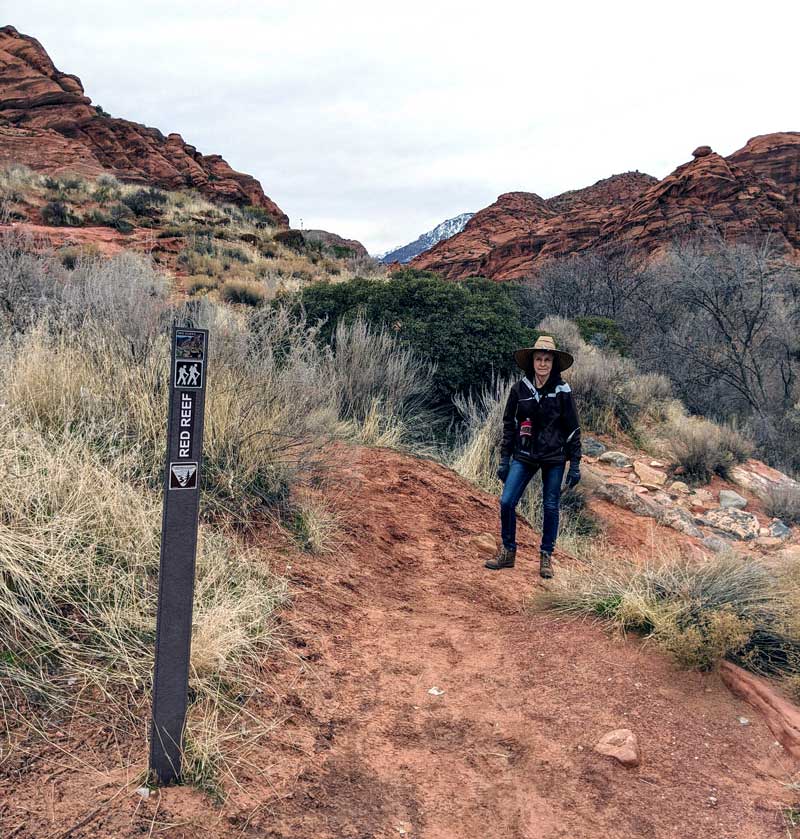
(524, 356)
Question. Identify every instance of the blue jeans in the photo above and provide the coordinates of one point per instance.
(519, 476)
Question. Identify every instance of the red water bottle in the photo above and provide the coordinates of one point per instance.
(525, 432)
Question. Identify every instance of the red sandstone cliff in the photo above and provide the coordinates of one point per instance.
(49, 124)
(754, 191)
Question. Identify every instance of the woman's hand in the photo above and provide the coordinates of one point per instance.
(574, 475)
(502, 469)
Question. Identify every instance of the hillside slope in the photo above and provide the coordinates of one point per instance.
(361, 748)
(49, 124)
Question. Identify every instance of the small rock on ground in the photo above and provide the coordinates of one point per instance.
(779, 529)
(484, 543)
(729, 498)
(617, 459)
(622, 745)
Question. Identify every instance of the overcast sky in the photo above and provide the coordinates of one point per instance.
(378, 121)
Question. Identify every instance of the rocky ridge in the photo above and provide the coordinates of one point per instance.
(49, 124)
(752, 192)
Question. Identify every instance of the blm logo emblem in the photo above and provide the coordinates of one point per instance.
(189, 374)
(183, 476)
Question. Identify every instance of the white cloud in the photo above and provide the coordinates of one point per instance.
(379, 122)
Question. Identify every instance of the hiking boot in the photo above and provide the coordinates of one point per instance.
(503, 559)
(545, 565)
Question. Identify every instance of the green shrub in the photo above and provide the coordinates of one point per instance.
(291, 239)
(58, 214)
(144, 202)
(602, 332)
(469, 329)
(121, 216)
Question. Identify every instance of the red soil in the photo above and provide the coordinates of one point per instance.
(361, 748)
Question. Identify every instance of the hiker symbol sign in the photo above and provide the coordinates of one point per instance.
(189, 374)
(178, 550)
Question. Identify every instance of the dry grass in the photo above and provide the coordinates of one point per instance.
(704, 448)
(699, 613)
(315, 526)
(783, 502)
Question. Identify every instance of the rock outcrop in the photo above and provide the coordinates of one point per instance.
(782, 717)
(49, 124)
(752, 192)
(336, 243)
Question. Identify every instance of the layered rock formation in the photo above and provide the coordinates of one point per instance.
(753, 192)
(48, 123)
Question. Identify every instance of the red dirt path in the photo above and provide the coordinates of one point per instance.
(365, 751)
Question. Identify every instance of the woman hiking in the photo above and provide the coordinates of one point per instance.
(540, 433)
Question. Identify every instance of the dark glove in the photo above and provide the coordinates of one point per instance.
(502, 469)
(574, 474)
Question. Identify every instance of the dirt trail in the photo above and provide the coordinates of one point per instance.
(365, 751)
(506, 750)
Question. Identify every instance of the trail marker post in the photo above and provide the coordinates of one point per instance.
(188, 372)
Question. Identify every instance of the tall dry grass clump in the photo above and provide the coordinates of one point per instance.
(703, 448)
(783, 502)
(699, 613)
(382, 388)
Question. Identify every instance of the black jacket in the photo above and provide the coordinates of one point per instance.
(556, 434)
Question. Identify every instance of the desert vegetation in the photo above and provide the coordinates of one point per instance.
(224, 250)
(83, 383)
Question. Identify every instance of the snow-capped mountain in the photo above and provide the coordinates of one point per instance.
(442, 231)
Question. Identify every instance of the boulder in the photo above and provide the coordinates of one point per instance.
(625, 495)
(617, 459)
(648, 476)
(732, 522)
(679, 488)
(622, 745)
(779, 530)
(759, 478)
(729, 498)
(679, 519)
(591, 447)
